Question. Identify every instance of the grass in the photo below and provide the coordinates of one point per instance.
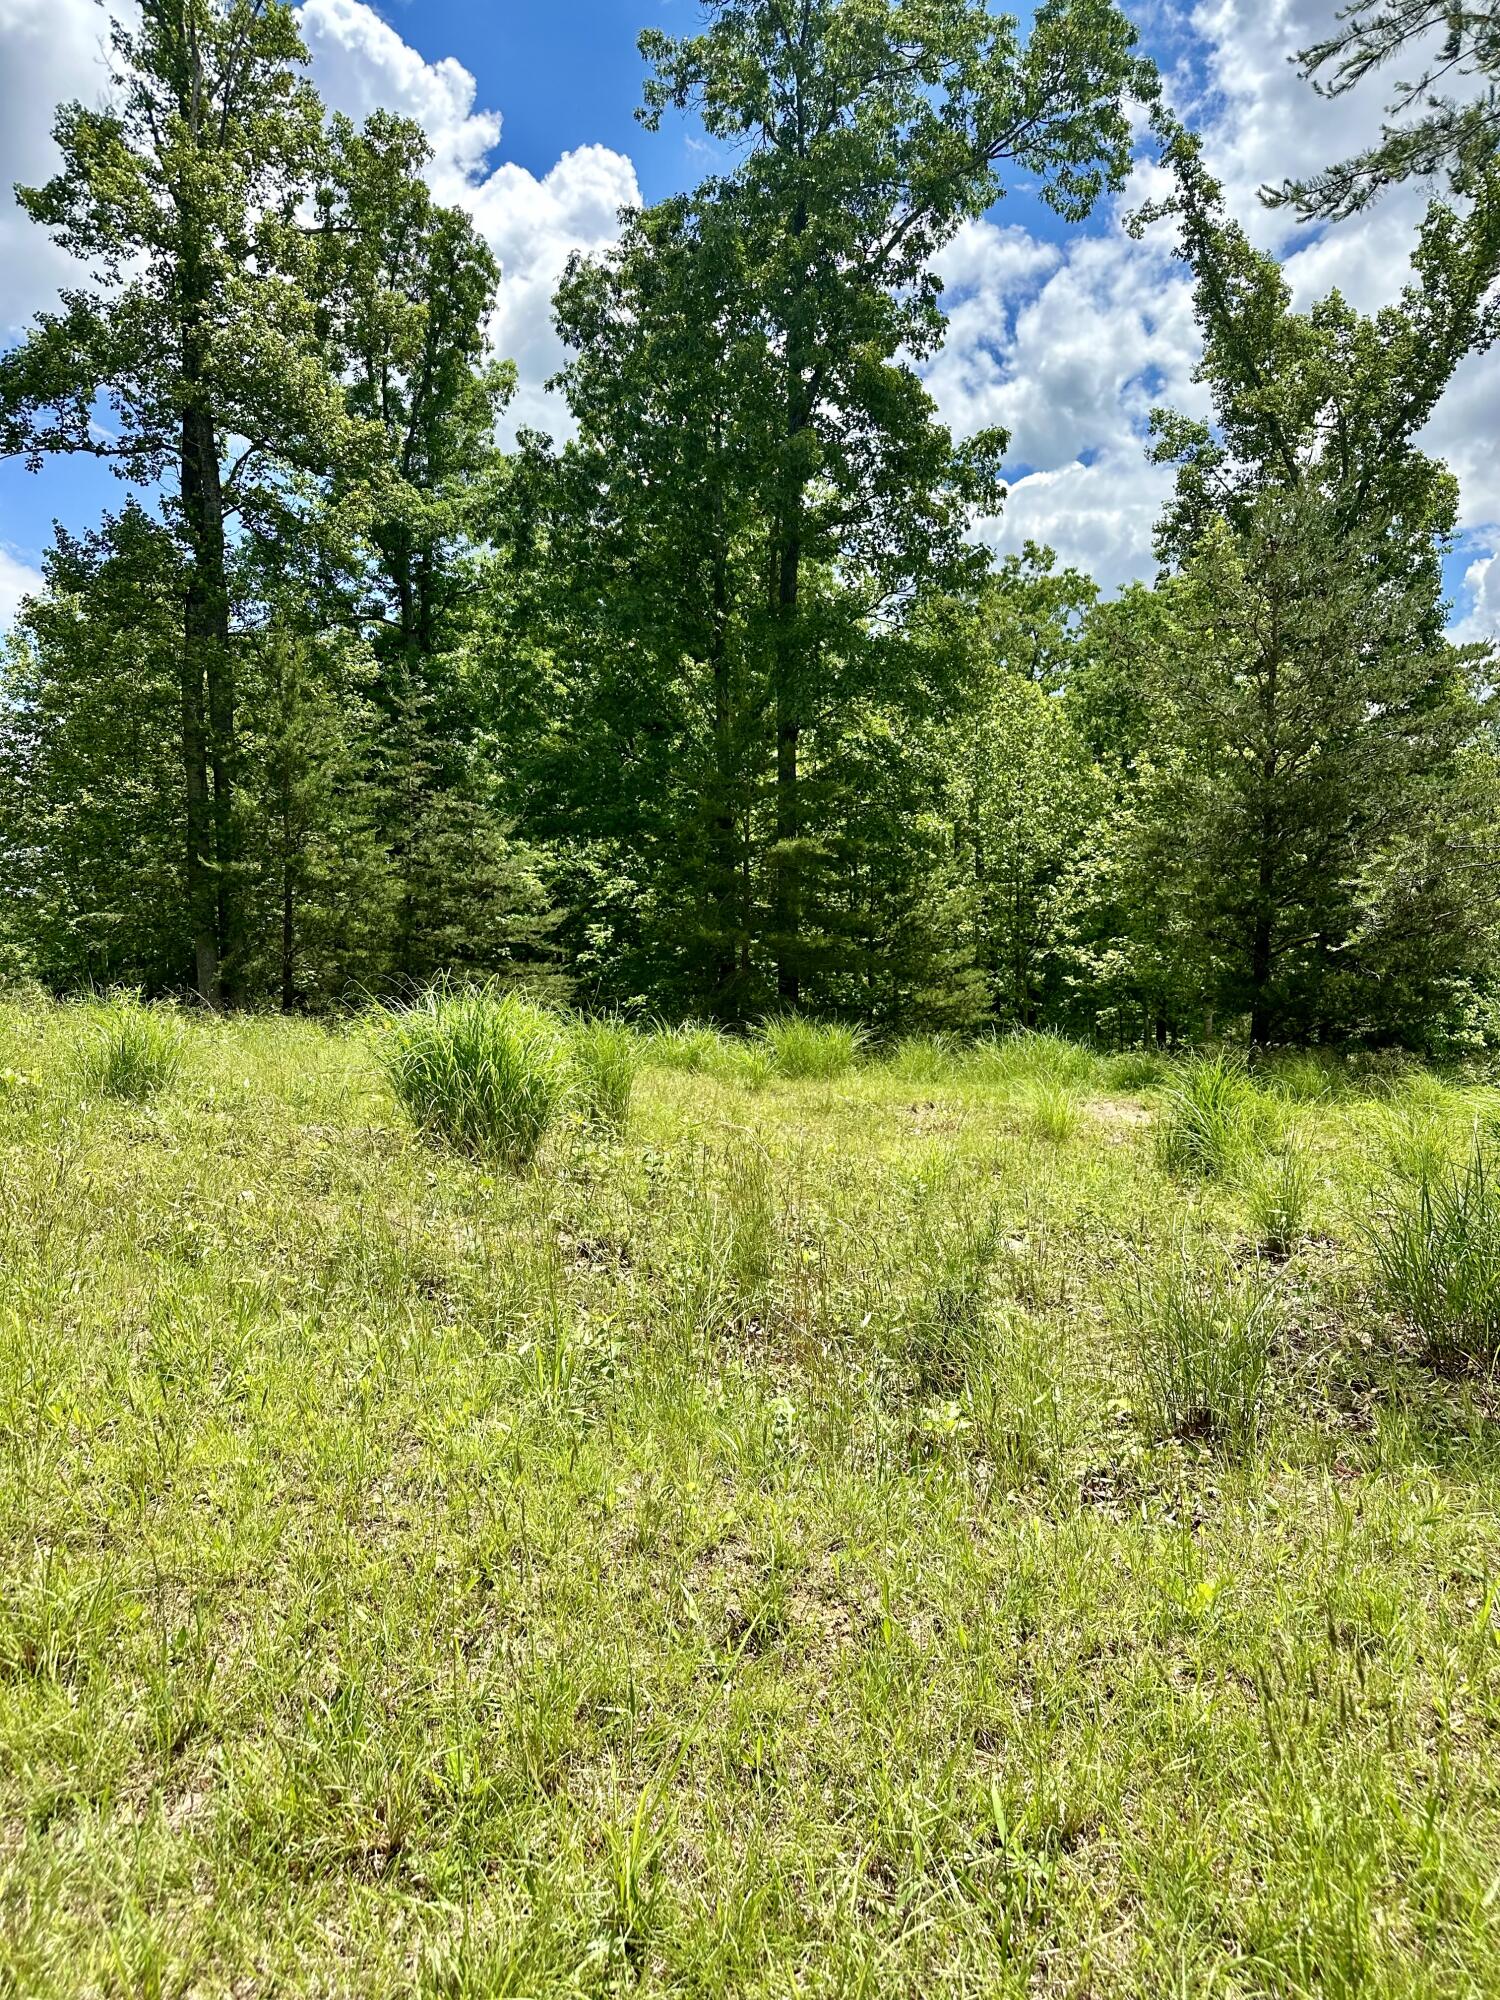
(490, 1073)
(130, 1051)
(804, 1050)
(606, 1060)
(1212, 1118)
(777, 1552)
(1436, 1251)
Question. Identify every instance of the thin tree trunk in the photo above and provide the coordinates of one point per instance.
(208, 724)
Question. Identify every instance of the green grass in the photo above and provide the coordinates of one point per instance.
(130, 1050)
(805, 1050)
(783, 1551)
(491, 1073)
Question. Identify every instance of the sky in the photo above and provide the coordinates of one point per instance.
(1066, 336)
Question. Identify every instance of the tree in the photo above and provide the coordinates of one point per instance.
(1305, 696)
(1434, 131)
(870, 132)
(182, 200)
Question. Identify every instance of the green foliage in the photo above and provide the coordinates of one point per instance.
(1202, 1334)
(801, 1048)
(606, 1057)
(131, 1051)
(1052, 1110)
(1033, 1057)
(485, 1071)
(1436, 1256)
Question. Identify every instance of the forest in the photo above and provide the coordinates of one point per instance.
(714, 707)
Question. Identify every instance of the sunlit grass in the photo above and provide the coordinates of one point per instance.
(842, 1535)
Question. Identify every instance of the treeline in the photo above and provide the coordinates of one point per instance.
(716, 707)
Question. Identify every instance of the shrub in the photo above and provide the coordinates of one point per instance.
(606, 1060)
(1201, 1336)
(1436, 1253)
(489, 1073)
(805, 1049)
(1211, 1117)
(134, 1053)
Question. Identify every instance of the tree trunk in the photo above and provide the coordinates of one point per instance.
(788, 803)
(208, 717)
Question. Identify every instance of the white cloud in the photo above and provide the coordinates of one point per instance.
(1482, 587)
(532, 223)
(51, 51)
(362, 65)
(1069, 349)
(17, 580)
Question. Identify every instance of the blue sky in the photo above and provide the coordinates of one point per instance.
(1065, 336)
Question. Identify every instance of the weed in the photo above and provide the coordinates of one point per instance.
(487, 1072)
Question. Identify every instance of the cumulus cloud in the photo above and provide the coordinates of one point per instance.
(17, 580)
(53, 52)
(532, 223)
(1482, 587)
(1069, 349)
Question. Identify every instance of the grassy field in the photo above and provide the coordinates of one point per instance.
(991, 1524)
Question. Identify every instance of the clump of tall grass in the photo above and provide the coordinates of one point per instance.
(488, 1072)
(1052, 1111)
(1201, 1334)
(1300, 1076)
(1279, 1190)
(1135, 1069)
(1211, 1117)
(1033, 1056)
(606, 1060)
(922, 1058)
(134, 1052)
(806, 1050)
(1436, 1257)
(691, 1046)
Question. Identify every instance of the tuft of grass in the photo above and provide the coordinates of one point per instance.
(1052, 1111)
(1212, 1117)
(1279, 1190)
(606, 1062)
(134, 1052)
(1436, 1256)
(922, 1058)
(1135, 1069)
(487, 1072)
(1201, 1333)
(804, 1050)
(1300, 1076)
(1032, 1057)
(690, 1046)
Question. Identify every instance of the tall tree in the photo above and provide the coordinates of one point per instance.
(194, 331)
(869, 132)
(1305, 695)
